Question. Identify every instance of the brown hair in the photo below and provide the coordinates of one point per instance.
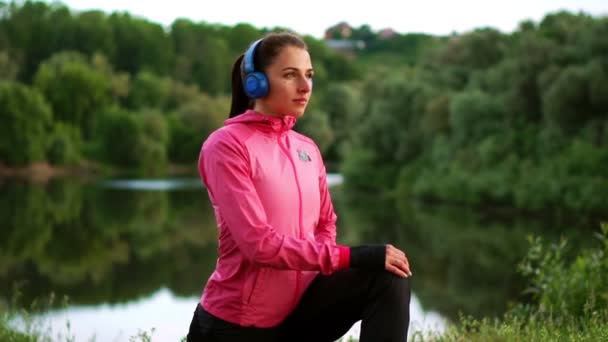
(265, 54)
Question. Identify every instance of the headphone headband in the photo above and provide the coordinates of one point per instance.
(248, 65)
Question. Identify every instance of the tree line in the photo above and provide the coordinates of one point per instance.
(485, 118)
(118, 89)
(480, 118)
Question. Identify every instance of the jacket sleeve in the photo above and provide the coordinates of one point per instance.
(326, 227)
(225, 169)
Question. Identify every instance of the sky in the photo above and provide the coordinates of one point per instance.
(312, 17)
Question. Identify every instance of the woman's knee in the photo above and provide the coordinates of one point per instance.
(394, 286)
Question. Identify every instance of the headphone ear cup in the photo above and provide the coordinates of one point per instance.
(256, 85)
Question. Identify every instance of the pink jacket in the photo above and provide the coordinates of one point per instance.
(277, 225)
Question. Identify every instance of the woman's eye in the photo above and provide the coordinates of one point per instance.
(290, 75)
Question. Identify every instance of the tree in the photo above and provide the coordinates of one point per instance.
(134, 140)
(191, 124)
(26, 118)
(149, 91)
(74, 89)
(8, 68)
(29, 31)
(315, 125)
(202, 56)
(94, 34)
(566, 102)
(342, 103)
(479, 49)
(140, 45)
(475, 115)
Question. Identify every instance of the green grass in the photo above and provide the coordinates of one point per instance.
(520, 329)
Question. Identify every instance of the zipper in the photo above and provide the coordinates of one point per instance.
(295, 174)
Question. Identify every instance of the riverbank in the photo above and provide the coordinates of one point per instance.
(43, 172)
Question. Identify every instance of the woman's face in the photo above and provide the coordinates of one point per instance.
(290, 81)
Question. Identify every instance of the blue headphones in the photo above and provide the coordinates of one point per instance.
(255, 83)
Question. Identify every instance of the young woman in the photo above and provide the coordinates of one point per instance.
(280, 275)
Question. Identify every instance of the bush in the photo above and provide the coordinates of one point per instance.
(74, 88)
(117, 133)
(64, 145)
(475, 115)
(26, 118)
(185, 141)
(563, 287)
(133, 140)
(569, 300)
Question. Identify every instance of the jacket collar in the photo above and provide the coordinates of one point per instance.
(264, 122)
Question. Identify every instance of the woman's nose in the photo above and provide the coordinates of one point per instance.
(305, 85)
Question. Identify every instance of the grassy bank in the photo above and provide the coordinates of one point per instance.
(567, 299)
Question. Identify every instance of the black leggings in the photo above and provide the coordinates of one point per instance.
(327, 310)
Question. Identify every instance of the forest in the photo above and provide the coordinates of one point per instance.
(483, 118)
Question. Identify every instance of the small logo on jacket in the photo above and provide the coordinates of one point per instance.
(303, 156)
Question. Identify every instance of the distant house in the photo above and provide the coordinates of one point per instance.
(341, 30)
(386, 33)
(338, 37)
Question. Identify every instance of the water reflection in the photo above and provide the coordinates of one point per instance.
(153, 184)
(119, 253)
(464, 261)
(102, 245)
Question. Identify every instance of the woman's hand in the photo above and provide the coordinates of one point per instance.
(396, 262)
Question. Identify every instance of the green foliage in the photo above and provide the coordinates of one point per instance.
(203, 57)
(315, 125)
(152, 143)
(598, 84)
(74, 89)
(518, 329)
(479, 49)
(364, 171)
(116, 134)
(342, 103)
(514, 121)
(26, 118)
(91, 33)
(140, 45)
(566, 103)
(64, 145)
(8, 67)
(154, 126)
(86, 239)
(390, 123)
(33, 30)
(192, 123)
(149, 91)
(133, 140)
(435, 121)
(481, 117)
(475, 115)
(490, 173)
(185, 141)
(565, 286)
(569, 299)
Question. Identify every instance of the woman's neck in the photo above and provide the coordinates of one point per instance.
(260, 108)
